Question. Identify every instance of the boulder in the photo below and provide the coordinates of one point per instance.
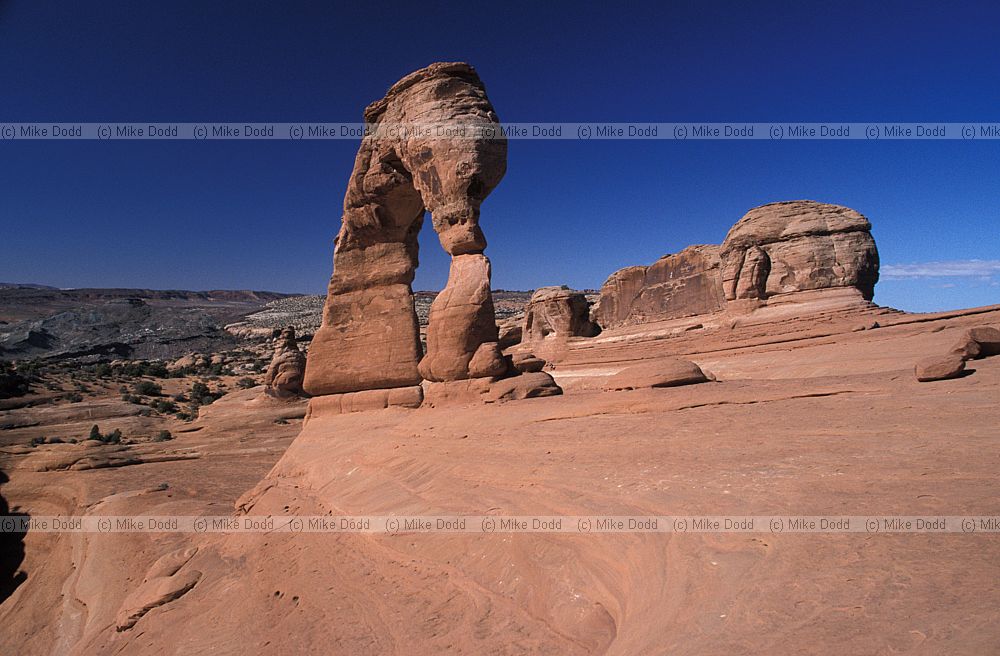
(525, 386)
(668, 372)
(527, 363)
(797, 246)
(509, 331)
(679, 285)
(487, 362)
(988, 339)
(939, 367)
(369, 338)
(966, 348)
(287, 369)
(557, 313)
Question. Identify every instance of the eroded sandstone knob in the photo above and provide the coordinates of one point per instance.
(285, 374)
(557, 313)
(369, 338)
(796, 246)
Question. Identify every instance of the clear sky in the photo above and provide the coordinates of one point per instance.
(262, 215)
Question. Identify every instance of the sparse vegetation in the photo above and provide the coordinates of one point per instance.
(12, 382)
(246, 383)
(114, 437)
(148, 388)
(200, 394)
(163, 406)
(163, 436)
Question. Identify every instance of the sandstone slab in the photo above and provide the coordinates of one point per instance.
(526, 386)
(365, 401)
(939, 367)
(667, 372)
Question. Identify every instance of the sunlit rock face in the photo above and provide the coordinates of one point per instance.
(796, 246)
(370, 337)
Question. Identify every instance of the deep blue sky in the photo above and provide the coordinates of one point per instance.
(262, 215)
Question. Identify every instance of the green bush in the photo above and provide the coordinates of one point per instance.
(163, 405)
(246, 383)
(201, 394)
(148, 388)
(114, 437)
(163, 436)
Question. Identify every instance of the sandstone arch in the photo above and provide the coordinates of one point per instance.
(369, 338)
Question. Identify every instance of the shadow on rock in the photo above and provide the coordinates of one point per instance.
(11, 548)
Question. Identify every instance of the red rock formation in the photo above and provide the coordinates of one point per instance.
(797, 246)
(556, 314)
(679, 285)
(369, 338)
(284, 376)
(773, 254)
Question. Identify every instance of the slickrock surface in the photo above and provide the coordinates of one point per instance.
(369, 338)
(808, 418)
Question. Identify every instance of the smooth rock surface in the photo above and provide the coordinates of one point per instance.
(668, 372)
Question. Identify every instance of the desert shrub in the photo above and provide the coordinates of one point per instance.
(163, 436)
(114, 437)
(12, 382)
(35, 441)
(246, 383)
(201, 394)
(148, 388)
(163, 405)
(74, 397)
(137, 368)
(103, 370)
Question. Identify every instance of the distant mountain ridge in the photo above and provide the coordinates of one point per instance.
(37, 321)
